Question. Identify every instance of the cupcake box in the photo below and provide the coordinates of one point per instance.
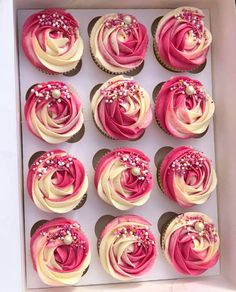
(92, 141)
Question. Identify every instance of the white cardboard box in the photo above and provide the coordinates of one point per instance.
(223, 27)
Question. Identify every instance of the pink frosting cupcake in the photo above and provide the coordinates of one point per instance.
(127, 247)
(118, 43)
(183, 108)
(187, 176)
(181, 40)
(123, 178)
(53, 112)
(57, 182)
(60, 252)
(190, 243)
(121, 109)
(51, 41)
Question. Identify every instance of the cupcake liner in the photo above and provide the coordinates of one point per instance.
(81, 202)
(100, 225)
(35, 156)
(36, 226)
(67, 73)
(164, 229)
(98, 156)
(77, 136)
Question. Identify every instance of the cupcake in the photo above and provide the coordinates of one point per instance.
(121, 109)
(183, 108)
(118, 43)
(181, 40)
(53, 112)
(190, 243)
(187, 176)
(57, 182)
(123, 178)
(60, 252)
(51, 41)
(127, 248)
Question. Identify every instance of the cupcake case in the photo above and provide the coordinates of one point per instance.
(92, 141)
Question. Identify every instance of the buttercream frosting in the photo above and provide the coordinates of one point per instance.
(60, 252)
(53, 112)
(57, 182)
(191, 243)
(183, 108)
(187, 176)
(51, 40)
(127, 247)
(123, 178)
(122, 109)
(182, 41)
(118, 42)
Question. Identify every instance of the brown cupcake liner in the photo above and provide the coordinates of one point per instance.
(164, 229)
(131, 72)
(70, 73)
(36, 226)
(81, 202)
(98, 156)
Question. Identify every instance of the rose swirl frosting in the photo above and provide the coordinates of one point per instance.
(187, 176)
(53, 112)
(127, 248)
(181, 39)
(183, 108)
(60, 252)
(123, 179)
(51, 40)
(118, 42)
(122, 108)
(57, 182)
(191, 243)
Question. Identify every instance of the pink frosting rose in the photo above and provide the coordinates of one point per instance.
(56, 181)
(139, 255)
(187, 176)
(182, 40)
(51, 41)
(53, 112)
(183, 109)
(60, 252)
(191, 243)
(122, 109)
(131, 186)
(119, 40)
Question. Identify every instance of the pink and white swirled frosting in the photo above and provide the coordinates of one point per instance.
(51, 40)
(127, 247)
(122, 109)
(187, 176)
(60, 252)
(118, 42)
(57, 182)
(182, 40)
(123, 178)
(191, 243)
(183, 108)
(53, 112)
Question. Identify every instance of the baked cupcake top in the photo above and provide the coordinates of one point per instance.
(182, 41)
(122, 109)
(187, 176)
(51, 40)
(123, 178)
(57, 182)
(183, 108)
(191, 243)
(60, 252)
(127, 247)
(53, 112)
(118, 42)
